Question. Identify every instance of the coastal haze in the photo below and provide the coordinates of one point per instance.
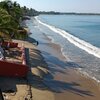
(79, 6)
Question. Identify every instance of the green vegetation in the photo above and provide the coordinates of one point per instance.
(11, 15)
(29, 12)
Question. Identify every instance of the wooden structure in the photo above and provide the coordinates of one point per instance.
(10, 69)
(9, 44)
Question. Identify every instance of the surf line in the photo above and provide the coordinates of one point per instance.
(74, 40)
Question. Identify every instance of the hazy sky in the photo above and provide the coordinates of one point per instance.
(63, 5)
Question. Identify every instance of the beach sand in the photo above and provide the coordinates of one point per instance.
(50, 77)
(38, 69)
(66, 82)
(31, 88)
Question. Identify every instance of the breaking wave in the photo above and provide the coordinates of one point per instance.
(75, 40)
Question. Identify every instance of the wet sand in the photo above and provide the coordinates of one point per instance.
(64, 81)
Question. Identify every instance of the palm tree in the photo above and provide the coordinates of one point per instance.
(12, 8)
(10, 14)
(5, 19)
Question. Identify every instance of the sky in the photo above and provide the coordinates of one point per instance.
(80, 6)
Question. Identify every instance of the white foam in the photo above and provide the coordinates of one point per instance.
(52, 40)
(76, 41)
(86, 74)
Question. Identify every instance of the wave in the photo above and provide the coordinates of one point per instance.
(86, 74)
(75, 40)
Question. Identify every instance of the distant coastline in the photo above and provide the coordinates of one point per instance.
(66, 13)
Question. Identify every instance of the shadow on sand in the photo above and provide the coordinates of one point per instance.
(32, 40)
(48, 82)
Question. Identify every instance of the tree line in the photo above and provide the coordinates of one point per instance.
(11, 15)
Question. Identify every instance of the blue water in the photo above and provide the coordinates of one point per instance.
(84, 27)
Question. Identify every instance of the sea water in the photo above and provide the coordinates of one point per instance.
(78, 36)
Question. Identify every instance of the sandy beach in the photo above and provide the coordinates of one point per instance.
(66, 82)
(38, 69)
(49, 50)
(50, 77)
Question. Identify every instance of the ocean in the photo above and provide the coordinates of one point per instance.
(78, 36)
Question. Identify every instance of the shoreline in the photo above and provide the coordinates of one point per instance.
(82, 44)
(84, 74)
(52, 77)
(79, 78)
(61, 82)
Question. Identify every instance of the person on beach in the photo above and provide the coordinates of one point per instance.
(1, 53)
(37, 43)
